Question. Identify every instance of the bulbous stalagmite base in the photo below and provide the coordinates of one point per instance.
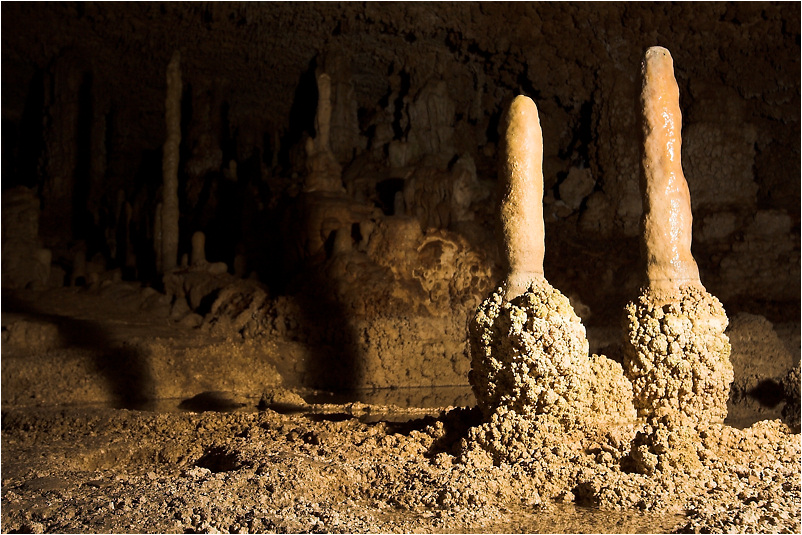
(530, 369)
(530, 355)
(532, 376)
(678, 357)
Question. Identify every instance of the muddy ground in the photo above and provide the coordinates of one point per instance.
(259, 457)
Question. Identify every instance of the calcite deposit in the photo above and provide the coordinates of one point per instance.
(323, 171)
(530, 369)
(530, 356)
(666, 219)
(676, 355)
(24, 261)
(521, 209)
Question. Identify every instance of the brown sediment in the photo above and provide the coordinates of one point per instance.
(666, 220)
(521, 209)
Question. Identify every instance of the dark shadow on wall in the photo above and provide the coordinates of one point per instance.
(335, 358)
(324, 324)
(125, 368)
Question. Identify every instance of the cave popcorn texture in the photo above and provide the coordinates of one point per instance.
(677, 355)
(530, 355)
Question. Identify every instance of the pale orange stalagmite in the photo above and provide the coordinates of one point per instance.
(666, 220)
(521, 209)
(530, 370)
(677, 355)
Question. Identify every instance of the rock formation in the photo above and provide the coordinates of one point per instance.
(170, 157)
(323, 170)
(25, 262)
(198, 249)
(521, 209)
(677, 355)
(530, 369)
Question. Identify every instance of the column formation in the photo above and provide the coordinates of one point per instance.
(170, 158)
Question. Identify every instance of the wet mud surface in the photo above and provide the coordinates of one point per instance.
(106, 470)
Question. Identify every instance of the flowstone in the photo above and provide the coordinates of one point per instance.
(530, 370)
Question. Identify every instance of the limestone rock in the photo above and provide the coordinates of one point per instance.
(757, 352)
(521, 205)
(766, 260)
(666, 219)
(791, 389)
(613, 155)
(530, 355)
(323, 170)
(439, 198)
(576, 187)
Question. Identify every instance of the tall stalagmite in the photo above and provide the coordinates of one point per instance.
(170, 156)
(677, 355)
(666, 220)
(521, 208)
(530, 369)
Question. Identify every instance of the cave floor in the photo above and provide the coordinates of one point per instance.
(320, 464)
(107, 470)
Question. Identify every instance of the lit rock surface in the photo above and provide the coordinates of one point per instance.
(666, 220)
(530, 355)
(678, 356)
(521, 210)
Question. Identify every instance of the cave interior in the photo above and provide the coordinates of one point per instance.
(336, 170)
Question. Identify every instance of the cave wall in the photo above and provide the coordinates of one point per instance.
(375, 204)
